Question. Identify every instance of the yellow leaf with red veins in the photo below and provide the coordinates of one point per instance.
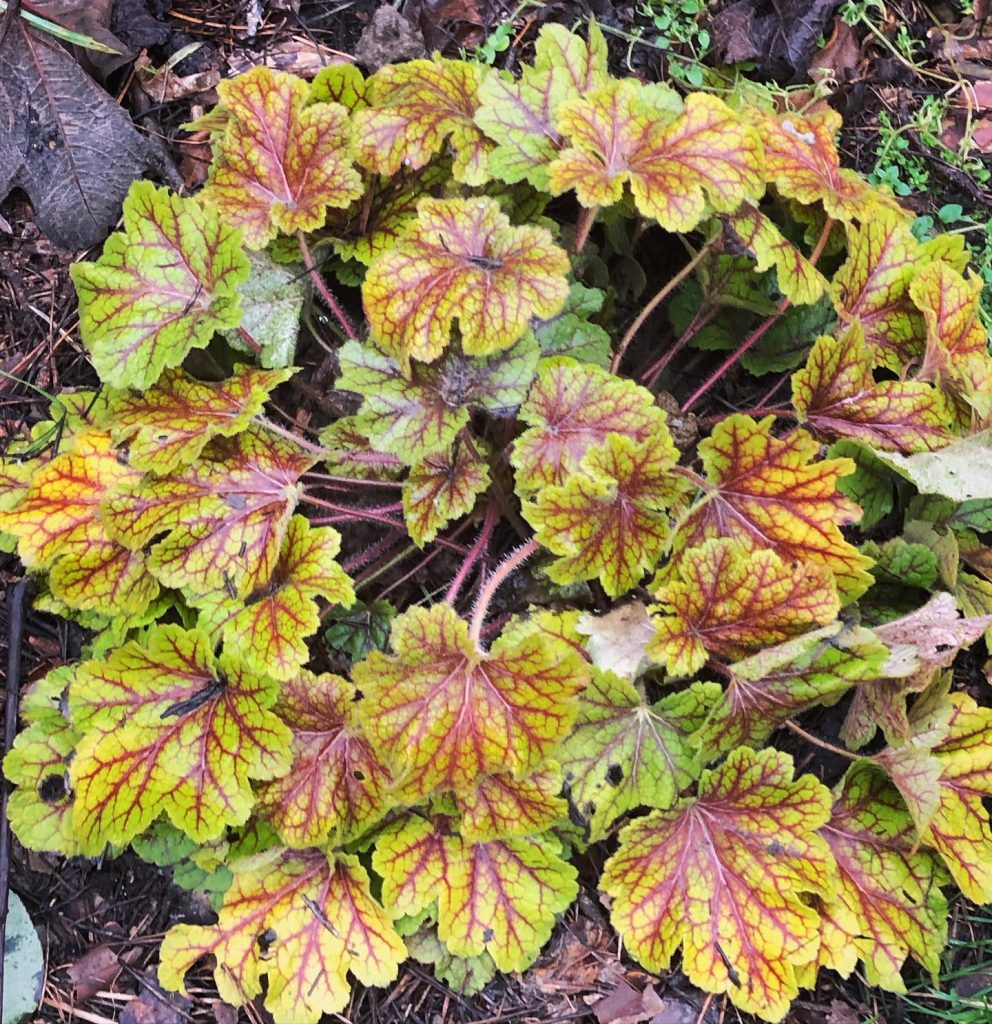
(797, 278)
(679, 163)
(726, 599)
(224, 518)
(501, 806)
(444, 713)
(498, 897)
(571, 407)
(610, 519)
(889, 903)
(441, 489)
(169, 425)
(874, 281)
(280, 163)
(801, 159)
(169, 729)
(775, 493)
(957, 350)
(302, 919)
(415, 109)
(462, 262)
(725, 876)
(267, 629)
(837, 394)
(943, 769)
(58, 525)
(336, 785)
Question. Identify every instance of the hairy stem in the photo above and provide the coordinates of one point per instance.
(325, 293)
(474, 554)
(658, 299)
(586, 220)
(314, 449)
(509, 564)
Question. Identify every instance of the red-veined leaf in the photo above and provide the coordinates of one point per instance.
(442, 488)
(724, 876)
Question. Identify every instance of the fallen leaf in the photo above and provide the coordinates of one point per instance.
(625, 1005)
(163, 85)
(840, 54)
(94, 971)
(617, 640)
(58, 127)
(156, 1007)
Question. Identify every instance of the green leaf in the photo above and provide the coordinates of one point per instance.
(162, 287)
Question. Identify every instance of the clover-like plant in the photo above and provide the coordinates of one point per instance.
(358, 786)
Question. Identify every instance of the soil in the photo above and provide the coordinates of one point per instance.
(101, 921)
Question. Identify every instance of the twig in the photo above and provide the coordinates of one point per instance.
(15, 630)
(810, 738)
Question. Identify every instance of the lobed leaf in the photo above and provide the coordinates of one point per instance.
(678, 162)
(610, 521)
(723, 876)
(267, 629)
(169, 425)
(444, 713)
(336, 784)
(417, 107)
(162, 287)
(501, 806)
(169, 729)
(837, 394)
(771, 492)
(280, 162)
(442, 488)
(462, 261)
(571, 408)
(726, 599)
(325, 922)
(888, 902)
(498, 897)
(624, 752)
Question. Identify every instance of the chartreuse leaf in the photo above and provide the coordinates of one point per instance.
(419, 415)
(40, 808)
(943, 770)
(498, 897)
(323, 920)
(467, 975)
(444, 713)
(572, 333)
(572, 407)
(888, 903)
(462, 261)
(162, 287)
(871, 485)
(224, 518)
(520, 114)
(610, 520)
(797, 278)
(267, 629)
(801, 159)
(336, 784)
(351, 454)
(169, 425)
(442, 488)
(679, 160)
(873, 283)
(778, 683)
(624, 752)
(837, 394)
(417, 107)
(772, 492)
(340, 83)
(724, 876)
(169, 729)
(957, 348)
(726, 599)
(58, 526)
(280, 163)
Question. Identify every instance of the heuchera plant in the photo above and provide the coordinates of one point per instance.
(434, 804)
